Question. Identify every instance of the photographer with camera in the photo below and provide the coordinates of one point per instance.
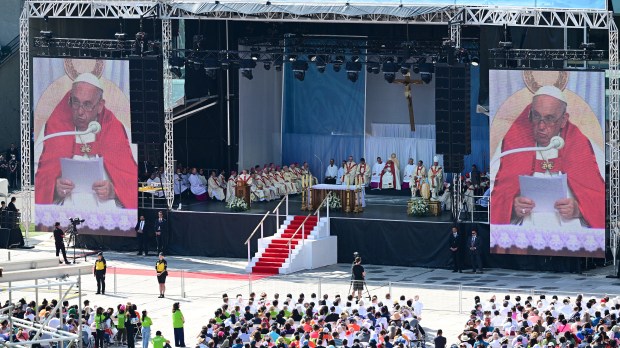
(59, 236)
(357, 277)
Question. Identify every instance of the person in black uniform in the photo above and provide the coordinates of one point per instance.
(455, 250)
(160, 231)
(142, 234)
(99, 271)
(358, 275)
(59, 235)
(474, 252)
(161, 267)
(11, 207)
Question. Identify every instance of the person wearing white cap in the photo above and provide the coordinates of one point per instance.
(435, 176)
(83, 109)
(546, 118)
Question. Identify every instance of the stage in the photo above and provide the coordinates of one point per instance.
(383, 233)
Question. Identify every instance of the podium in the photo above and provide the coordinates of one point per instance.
(243, 192)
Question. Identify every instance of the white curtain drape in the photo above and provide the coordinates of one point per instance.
(399, 139)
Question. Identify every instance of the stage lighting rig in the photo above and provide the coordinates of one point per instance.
(389, 71)
(337, 63)
(247, 66)
(353, 70)
(299, 69)
(373, 67)
(321, 63)
(426, 72)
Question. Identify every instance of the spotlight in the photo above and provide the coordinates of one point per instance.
(338, 63)
(404, 69)
(246, 66)
(355, 59)
(292, 57)
(247, 73)
(267, 65)
(211, 67)
(120, 36)
(505, 45)
(299, 69)
(426, 77)
(426, 72)
(475, 61)
(416, 69)
(587, 46)
(255, 56)
(389, 71)
(353, 70)
(373, 67)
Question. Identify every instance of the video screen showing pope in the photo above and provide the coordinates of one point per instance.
(547, 162)
(85, 163)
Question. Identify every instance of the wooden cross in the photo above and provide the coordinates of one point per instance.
(407, 82)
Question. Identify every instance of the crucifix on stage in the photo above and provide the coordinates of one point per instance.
(407, 81)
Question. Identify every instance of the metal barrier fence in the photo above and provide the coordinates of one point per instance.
(436, 297)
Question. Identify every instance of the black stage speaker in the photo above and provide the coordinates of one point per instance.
(147, 110)
(452, 120)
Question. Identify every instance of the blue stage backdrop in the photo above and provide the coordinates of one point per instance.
(479, 129)
(323, 117)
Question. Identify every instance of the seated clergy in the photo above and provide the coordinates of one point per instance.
(196, 186)
(409, 169)
(377, 170)
(389, 179)
(331, 173)
(257, 189)
(215, 190)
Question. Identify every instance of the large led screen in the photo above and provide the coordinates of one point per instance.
(85, 163)
(547, 146)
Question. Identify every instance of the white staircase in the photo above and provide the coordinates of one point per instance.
(317, 249)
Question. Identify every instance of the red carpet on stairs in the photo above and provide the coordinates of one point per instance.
(277, 251)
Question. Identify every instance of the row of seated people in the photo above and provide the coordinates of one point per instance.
(544, 322)
(314, 322)
(267, 183)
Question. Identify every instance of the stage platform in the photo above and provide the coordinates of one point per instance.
(383, 233)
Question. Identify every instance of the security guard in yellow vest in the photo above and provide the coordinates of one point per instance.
(99, 271)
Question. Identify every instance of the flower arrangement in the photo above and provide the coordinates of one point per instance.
(417, 207)
(334, 202)
(237, 204)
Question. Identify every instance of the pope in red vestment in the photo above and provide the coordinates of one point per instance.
(544, 118)
(80, 106)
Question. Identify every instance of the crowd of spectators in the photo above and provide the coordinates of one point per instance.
(541, 322)
(330, 322)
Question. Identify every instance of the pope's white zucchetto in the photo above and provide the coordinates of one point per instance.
(551, 91)
(90, 79)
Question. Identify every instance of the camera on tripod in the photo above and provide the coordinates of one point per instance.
(76, 221)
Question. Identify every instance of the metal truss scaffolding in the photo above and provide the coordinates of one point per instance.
(166, 48)
(612, 143)
(24, 112)
(453, 16)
